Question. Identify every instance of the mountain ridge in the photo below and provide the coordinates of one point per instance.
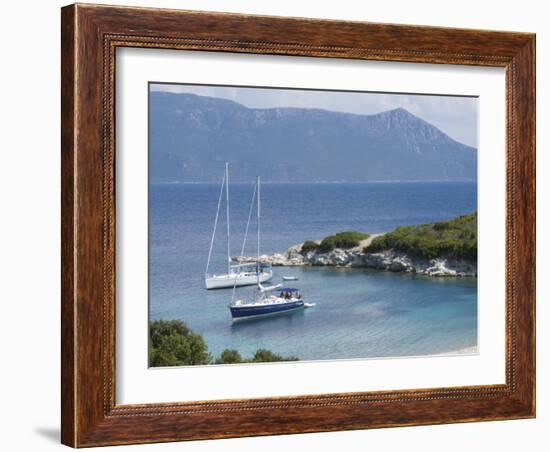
(191, 136)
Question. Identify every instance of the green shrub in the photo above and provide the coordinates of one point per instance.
(441, 225)
(309, 245)
(229, 356)
(263, 355)
(172, 343)
(455, 238)
(346, 240)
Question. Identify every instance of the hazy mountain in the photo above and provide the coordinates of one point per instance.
(191, 136)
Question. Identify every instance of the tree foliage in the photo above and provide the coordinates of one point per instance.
(456, 238)
(345, 240)
(229, 356)
(262, 355)
(172, 343)
(309, 245)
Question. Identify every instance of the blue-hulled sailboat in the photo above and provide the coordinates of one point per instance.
(267, 301)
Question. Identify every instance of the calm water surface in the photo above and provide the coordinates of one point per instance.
(359, 313)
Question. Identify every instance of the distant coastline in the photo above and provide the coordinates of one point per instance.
(436, 249)
(193, 135)
(327, 182)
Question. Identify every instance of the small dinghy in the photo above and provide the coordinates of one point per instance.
(290, 278)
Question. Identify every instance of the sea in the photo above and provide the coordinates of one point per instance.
(359, 313)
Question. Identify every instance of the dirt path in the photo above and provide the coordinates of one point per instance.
(367, 242)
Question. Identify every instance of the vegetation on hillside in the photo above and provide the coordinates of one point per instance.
(173, 343)
(309, 245)
(345, 240)
(456, 238)
(262, 355)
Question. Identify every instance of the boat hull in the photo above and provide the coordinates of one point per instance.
(238, 280)
(255, 311)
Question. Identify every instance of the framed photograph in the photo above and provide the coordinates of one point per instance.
(281, 225)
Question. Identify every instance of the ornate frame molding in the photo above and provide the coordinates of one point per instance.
(90, 37)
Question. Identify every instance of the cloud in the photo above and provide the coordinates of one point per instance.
(456, 116)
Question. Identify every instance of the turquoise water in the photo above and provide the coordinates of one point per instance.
(359, 313)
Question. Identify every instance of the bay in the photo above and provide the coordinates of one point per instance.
(359, 313)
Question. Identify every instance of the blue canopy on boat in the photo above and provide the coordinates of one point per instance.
(289, 289)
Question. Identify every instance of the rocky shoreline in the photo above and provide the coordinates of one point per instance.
(388, 260)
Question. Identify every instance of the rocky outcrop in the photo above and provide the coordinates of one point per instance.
(400, 262)
(389, 260)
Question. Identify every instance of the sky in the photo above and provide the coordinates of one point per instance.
(456, 116)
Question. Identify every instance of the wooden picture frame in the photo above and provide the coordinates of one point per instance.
(90, 36)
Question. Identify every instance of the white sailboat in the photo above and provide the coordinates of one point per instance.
(237, 274)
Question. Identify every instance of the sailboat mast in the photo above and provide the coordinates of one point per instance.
(227, 216)
(215, 225)
(258, 232)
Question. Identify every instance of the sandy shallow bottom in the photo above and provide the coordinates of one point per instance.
(462, 351)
